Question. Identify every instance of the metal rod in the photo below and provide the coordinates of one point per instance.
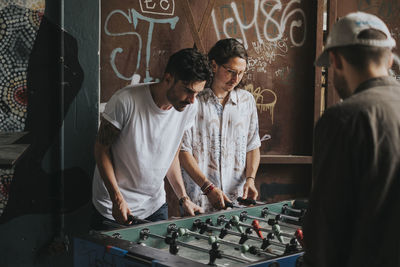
(183, 244)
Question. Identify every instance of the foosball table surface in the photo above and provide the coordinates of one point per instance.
(250, 239)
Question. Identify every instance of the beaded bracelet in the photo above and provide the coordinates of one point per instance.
(205, 185)
(209, 189)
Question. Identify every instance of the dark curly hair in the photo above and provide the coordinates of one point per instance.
(189, 65)
(225, 49)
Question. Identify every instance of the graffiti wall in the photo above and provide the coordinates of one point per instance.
(137, 37)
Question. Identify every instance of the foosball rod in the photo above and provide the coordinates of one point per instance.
(146, 232)
(215, 239)
(207, 225)
(266, 242)
(222, 219)
(211, 239)
(275, 228)
(235, 221)
(244, 215)
(265, 212)
(256, 238)
(286, 207)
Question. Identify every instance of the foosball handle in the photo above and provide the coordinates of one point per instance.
(228, 204)
(246, 201)
(135, 220)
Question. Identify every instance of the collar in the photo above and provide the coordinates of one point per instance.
(209, 94)
(376, 82)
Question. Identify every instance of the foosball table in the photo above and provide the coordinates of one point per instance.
(261, 235)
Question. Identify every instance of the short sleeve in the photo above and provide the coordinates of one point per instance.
(118, 109)
(187, 140)
(192, 115)
(253, 137)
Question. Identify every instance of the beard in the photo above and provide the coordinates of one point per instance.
(175, 100)
(341, 85)
(180, 106)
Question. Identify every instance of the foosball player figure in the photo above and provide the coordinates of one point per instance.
(215, 253)
(171, 241)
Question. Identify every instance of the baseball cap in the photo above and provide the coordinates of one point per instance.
(346, 30)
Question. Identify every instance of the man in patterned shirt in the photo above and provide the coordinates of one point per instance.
(220, 153)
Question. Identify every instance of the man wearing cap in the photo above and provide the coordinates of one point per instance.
(353, 218)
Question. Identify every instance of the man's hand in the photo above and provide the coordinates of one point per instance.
(120, 211)
(217, 198)
(190, 208)
(250, 190)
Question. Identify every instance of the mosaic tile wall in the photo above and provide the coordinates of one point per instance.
(19, 23)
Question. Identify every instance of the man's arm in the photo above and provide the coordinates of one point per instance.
(252, 163)
(106, 136)
(189, 163)
(174, 177)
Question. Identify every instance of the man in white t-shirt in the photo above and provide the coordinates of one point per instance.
(138, 143)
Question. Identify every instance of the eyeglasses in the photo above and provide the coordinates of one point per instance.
(233, 73)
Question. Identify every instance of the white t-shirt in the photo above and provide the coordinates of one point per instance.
(144, 150)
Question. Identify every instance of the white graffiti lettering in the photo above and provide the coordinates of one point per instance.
(133, 17)
(160, 7)
(272, 29)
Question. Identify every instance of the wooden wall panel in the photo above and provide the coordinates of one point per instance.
(137, 37)
(282, 38)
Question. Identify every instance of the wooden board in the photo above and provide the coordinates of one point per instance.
(9, 154)
(7, 138)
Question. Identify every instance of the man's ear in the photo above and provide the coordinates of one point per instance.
(168, 78)
(213, 66)
(390, 61)
(336, 60)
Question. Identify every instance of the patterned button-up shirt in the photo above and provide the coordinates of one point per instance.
(219, 141)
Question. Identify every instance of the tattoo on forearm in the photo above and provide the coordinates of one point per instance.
(107, 134)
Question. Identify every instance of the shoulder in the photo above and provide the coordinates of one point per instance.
(127, 99)
(191, 110)
(244, 96)
(243, 92)
(129, 94)
(132, 90)
(346, 118)
(339, 114)
(204, 95)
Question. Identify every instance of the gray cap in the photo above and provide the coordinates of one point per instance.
(346, 30)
